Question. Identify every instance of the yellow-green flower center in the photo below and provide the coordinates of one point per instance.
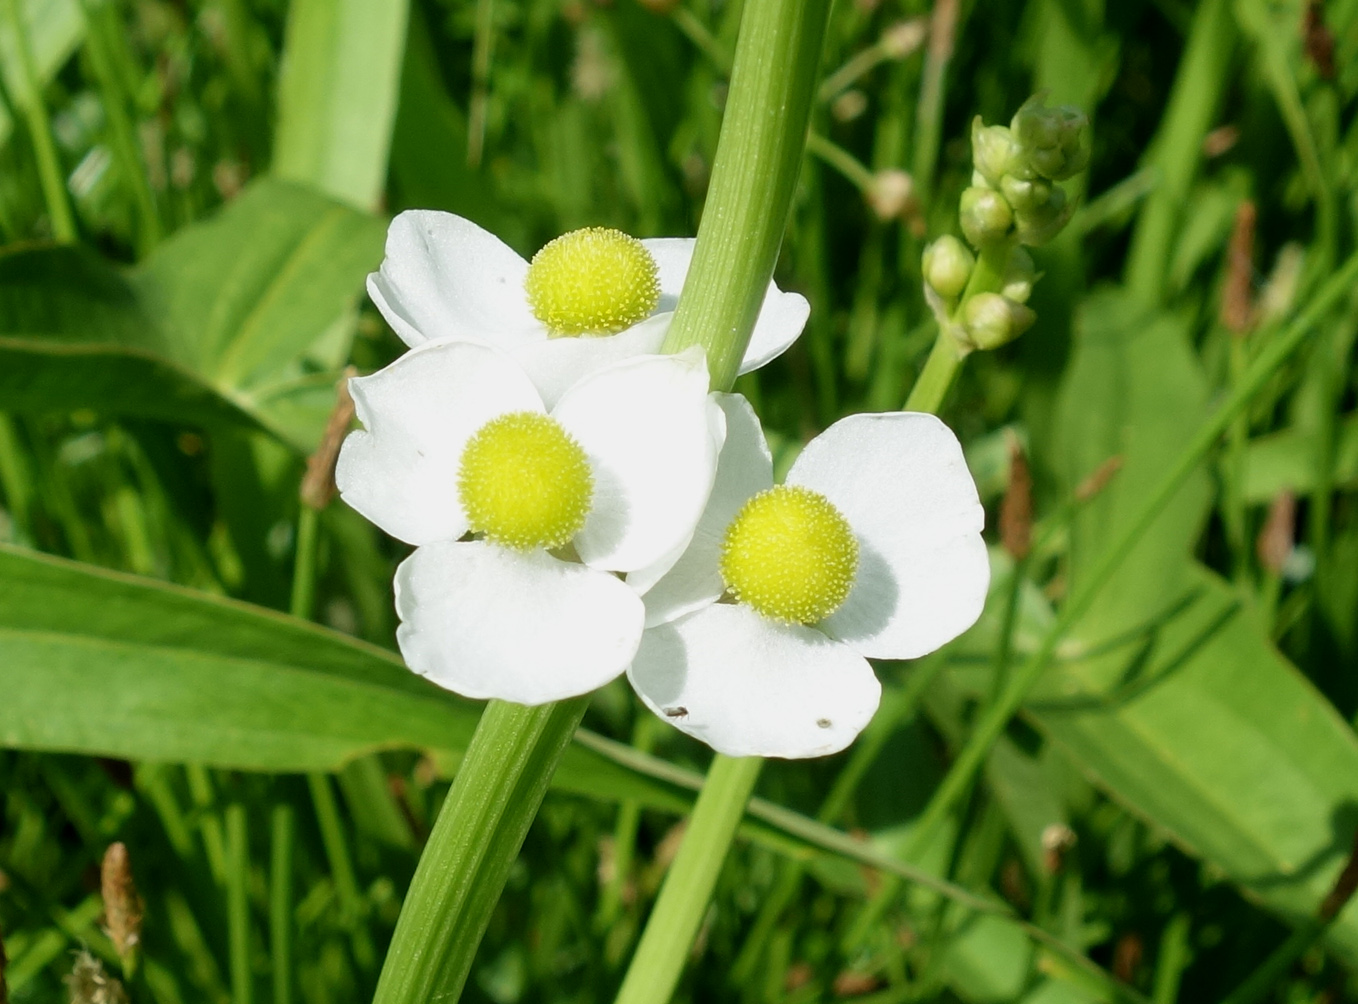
(524, 482)
(594, 281)
(790, 554)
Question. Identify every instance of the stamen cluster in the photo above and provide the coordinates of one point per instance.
(790, 554)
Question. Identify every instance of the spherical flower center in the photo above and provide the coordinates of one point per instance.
(524, 482)
(790, 554)
(594, 281)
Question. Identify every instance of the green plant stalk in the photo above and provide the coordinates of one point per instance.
(754, 175)
(931, 387)
(40, 132)
(102, 27)
(660, 957)
(929, 115)
(304, 563)
(238, 904)
(341, 868)
(477, 836)
(282, 840)
(958, 779)
(1177, 147)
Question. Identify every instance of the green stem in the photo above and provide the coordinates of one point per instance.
(238, 903)
(284, 836)
(936, 377)
(476, 838)
(304, 563)
(40, 131)
(754, 174)
(101, 36)
(341, 868)
(683, 899)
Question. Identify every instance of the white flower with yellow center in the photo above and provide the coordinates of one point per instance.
(522, 513)
(589, 298)
(870, 549)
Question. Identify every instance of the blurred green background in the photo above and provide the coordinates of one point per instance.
(191, 194)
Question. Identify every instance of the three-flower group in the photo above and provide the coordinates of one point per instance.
(581, 505)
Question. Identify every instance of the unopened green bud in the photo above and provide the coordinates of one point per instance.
(992, 320)
(994, 152)
(1040, 225)
(985, 216)
(1054, 141)
(947, 266)
(1026, 195)
(1019, 275)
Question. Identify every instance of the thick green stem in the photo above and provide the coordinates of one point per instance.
(683, 900)
(754, 174)
(479, 831)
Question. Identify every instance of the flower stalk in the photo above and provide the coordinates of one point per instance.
(773, 86)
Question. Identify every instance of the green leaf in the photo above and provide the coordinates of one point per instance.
(337, 94)
(249, 291)
(101, 663)
(1212, 736)
(243, 318)
(1180, 708)
(1286, 461)
(73, 334)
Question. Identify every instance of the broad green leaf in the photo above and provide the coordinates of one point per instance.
(73, 334)
(55, 28)
(1181, 709)
(1212, 736)
(101, 663)
(1286, 461)
(341, 71)
(1132, 389)
(97, 662)
(247, 292)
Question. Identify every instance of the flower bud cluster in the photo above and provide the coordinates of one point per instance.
(1014, 200)
(1013, 190)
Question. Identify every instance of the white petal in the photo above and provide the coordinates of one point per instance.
(556, 364)
(748, 686)
(418, 414)
(652, 436)
(903, 485)
(486, 622)
(781, 317)
(744, 468)
(444, 277)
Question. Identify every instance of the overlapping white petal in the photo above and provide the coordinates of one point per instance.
(744, 468)
(652, 436)
(748, 686)
(782, 316)
(400, 470)
(443, 277)
(557, 364)
(902, 483)
(488, 622)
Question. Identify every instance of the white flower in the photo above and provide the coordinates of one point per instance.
(445, 278)
(458, 441)
(872, 549)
